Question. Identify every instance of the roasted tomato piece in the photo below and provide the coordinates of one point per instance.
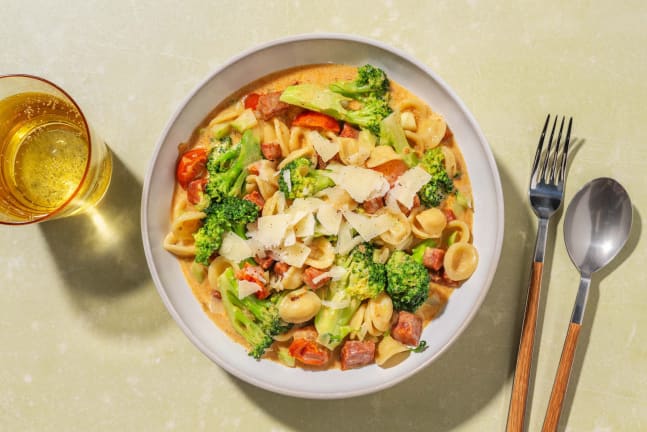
(191, 165)
(309, 352)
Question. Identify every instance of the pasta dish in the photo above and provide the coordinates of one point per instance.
(323, 216)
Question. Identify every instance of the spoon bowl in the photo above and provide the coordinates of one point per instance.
(597, 225)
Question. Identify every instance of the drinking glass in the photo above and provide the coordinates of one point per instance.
(52, 164)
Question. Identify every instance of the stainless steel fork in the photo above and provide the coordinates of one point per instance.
(546, 193)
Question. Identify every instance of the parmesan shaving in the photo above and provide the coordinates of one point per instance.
(361, 184)
(408, 185)
(272, 229)
(345, 241)
(246, 288)
(294, 255)
(329, 218)
(234, 248)
(368, 227)
(325, 148)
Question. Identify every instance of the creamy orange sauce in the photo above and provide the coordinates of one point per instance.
(321, 74)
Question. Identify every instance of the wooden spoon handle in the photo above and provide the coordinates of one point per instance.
(519, 396)
(561, 379)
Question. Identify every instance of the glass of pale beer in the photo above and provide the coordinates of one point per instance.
(52, 164)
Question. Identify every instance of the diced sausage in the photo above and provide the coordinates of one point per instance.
(256, 198)
(265, 262)
(252, 273)
(373, 205)
(269, 105)
(356, 354)
(280, 268)
(349, 131)
(408, 328)
(271, 151)
(311, 273)
(433, 258)
(392, 170)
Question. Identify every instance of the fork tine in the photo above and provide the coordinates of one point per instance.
(535, 163)
(555, 156)
(542, 172)
(562, 171)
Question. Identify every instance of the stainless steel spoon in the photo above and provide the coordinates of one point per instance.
(596, 227)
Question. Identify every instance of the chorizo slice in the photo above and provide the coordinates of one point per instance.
(408, 329)
(373, 205)
(433, 258)
(356, 354)
(309, 276)
(269, 105)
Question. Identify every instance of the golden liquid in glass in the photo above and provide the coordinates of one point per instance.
(44, 153)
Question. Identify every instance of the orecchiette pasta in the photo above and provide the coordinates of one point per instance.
(461, 229)
(379, 311)
(354, 151)
(218, 267)
(303, 152)
(381, 155)
(265, 182)
(292, 278)
(428, 223)
(173, 245)
(282, 136)
(398, 235)
(387, 349)
(322, 253)
(228, 114)
(460, 261)
(299, 306)
(450, 161)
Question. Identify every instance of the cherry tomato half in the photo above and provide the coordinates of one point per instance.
(191, 165)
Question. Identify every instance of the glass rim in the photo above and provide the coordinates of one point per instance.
(57, 210)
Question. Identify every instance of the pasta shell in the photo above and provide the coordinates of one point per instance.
(460, 261)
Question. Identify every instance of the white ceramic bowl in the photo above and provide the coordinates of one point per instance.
(247, 67)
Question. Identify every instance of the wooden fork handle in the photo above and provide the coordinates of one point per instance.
(561, 379)
(517, 410)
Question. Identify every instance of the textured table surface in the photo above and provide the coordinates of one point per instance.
(85, 342)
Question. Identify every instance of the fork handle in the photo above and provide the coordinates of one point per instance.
(560, 385)
(518, 399)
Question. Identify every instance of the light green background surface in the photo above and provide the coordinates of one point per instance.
(85, 342)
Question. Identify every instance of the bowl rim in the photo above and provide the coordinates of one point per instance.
(491, 164)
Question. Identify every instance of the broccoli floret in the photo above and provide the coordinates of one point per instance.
(407, 281)
(364, 278)
(440, 185)
(230, 214)
(220, 146)
(302, 179)
(370, 81)
(369, 112)
(227, 167)
(257, 321)
(392, 134)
